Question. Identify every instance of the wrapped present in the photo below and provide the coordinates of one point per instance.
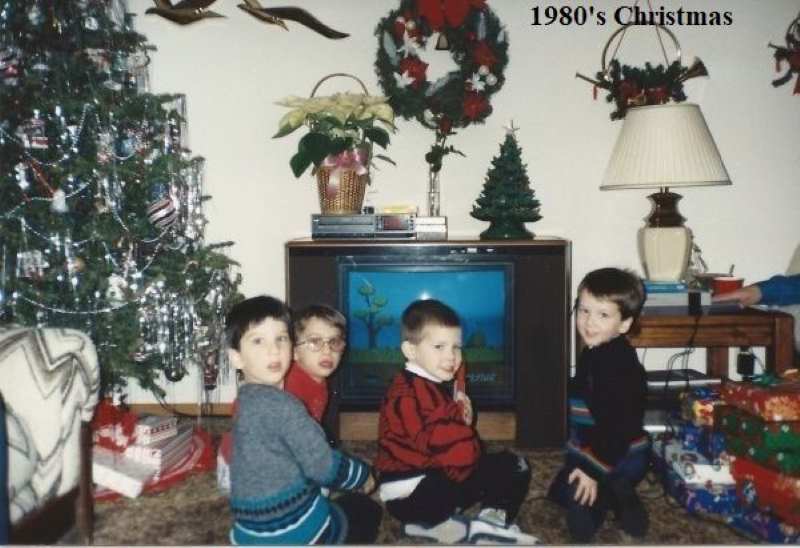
(113, 426)
(165, 453)
(697, 405)
(765, 526)
(772, 435)
(692, 467)
(152, 428)
(708, 497)
(119, 473)
(767, 489)
(769, 397)
(702, 439)
(785, 462)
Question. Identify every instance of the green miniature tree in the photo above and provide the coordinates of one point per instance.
(507, 200)
(101, 224)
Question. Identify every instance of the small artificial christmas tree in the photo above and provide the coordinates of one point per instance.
(101, 224)
(507, 200)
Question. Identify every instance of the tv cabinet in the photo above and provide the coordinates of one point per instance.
(540, 302)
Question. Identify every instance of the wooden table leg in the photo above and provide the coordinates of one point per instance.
(780, 356)
(717, 361)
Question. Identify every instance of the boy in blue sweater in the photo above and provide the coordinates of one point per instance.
(281, 457)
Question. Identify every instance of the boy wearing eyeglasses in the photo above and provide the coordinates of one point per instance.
(319, 332)
(280, 457)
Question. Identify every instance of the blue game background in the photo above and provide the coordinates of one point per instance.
(478, 293)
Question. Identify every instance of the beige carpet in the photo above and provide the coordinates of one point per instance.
(195, 512)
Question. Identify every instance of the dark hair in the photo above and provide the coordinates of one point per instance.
(622, 287)
(422, 313)
(321, 312)
(251, 311)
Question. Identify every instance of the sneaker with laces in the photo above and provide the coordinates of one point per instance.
(489, 527)
(451, 531)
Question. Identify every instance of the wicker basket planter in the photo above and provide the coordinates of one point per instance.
(341, 190)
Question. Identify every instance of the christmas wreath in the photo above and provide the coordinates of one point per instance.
(478, 45)
(791, 54)
(629, 86)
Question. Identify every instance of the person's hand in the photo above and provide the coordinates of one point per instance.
(369, 485)
(586, 492)
(746, 296)
(466, 406)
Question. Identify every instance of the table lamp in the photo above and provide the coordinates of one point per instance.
(664, 146)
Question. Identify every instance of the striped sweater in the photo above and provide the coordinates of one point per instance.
(280, 459)
(421, 428)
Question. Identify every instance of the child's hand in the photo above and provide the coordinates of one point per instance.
(466, 406)
(369, 485)
(586, 492)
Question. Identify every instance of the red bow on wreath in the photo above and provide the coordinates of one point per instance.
(451, 12)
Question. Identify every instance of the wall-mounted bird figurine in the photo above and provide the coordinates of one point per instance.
(276, 16)
(184, 12)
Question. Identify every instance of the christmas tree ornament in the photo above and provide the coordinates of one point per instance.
(9, 65)
(632, 86)
(31, 264)
(162, 213)
(35, 15)
(184, 12)
(507, 200)
(277, 16)
(59, 202)
(31, 133)
(789, 53)
(174, 374)
(117, 287)
(477, 44)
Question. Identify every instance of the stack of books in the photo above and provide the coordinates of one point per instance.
(672, 294)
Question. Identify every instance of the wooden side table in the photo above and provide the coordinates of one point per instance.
(717, 330)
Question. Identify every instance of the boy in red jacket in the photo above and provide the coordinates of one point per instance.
(429, 455)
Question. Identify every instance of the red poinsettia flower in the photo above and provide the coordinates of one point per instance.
(628, 90)
(657, 95)
(415, 68)
(452, 13)
(475, 104)
(482, 54)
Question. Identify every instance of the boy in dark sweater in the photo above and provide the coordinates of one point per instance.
(280, 457)
(429, 455)
(608, 451)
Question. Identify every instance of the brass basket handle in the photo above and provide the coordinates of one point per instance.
(623, 28)
(316, 87)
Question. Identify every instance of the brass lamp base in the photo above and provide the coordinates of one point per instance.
(665, 244)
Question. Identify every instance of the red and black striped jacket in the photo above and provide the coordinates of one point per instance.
(421, 427)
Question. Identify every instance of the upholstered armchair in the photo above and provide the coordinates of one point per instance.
(49, 381)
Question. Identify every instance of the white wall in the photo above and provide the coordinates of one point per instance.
(234, 69)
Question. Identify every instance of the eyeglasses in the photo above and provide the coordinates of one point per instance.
(315, 344)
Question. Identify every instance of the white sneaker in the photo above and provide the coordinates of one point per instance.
(490, 528)
(451, 531)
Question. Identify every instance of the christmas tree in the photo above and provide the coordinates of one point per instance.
(507, 200)
(101, 224)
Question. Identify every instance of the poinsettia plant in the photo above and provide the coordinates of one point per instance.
(342, 129)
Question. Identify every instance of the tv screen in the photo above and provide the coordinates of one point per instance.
(375, 294)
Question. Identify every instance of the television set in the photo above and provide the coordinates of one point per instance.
(513, 298)
(374, 293)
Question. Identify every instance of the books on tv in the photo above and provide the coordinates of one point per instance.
(665, 287)
(675, 298)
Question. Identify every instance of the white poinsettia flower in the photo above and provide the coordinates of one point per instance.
(348, 100)
(375, 99)
(318, 104)
(382, 112)
(292, 101)
(292, 120)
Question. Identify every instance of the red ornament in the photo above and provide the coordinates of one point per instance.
(475, 104)
(628, 90)
(482, 54)
(415, 68)
(445, 125)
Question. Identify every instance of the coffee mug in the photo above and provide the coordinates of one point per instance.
(726, 284)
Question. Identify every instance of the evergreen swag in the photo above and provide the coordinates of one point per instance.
(633, 86)
(507, 201)
(101, 225)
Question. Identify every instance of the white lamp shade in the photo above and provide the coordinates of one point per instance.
(664, 146)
